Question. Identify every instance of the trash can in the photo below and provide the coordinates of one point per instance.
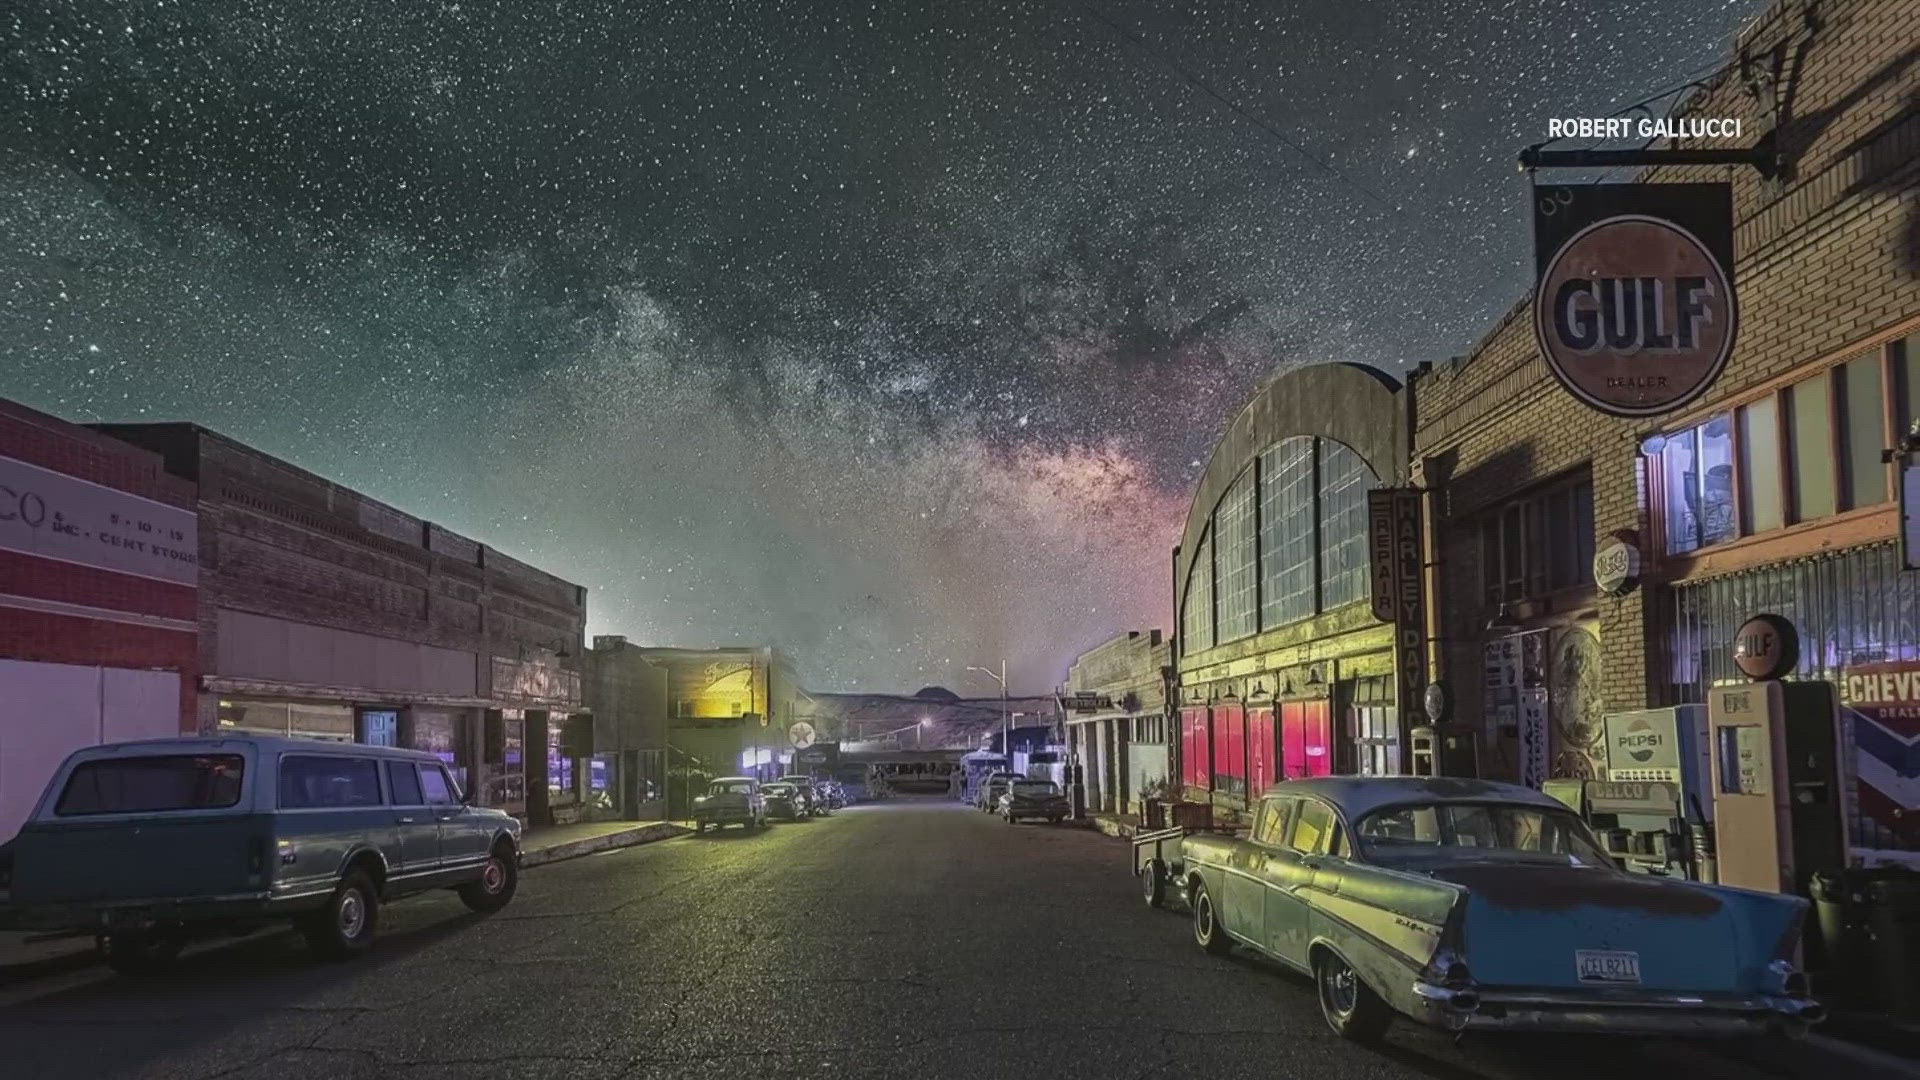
(1893, 933)
(1836, 942)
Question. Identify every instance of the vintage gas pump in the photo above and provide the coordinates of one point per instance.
(1659, 788)
(1776, 792)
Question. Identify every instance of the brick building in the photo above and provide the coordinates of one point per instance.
(326, 614)
(98, 580)
(1283, 668)
(1767, 494)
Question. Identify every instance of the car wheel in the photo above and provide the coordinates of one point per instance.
(1055, 819)
(344, 927)
(1153, 883)
(699, 826)
(1352, 1009)
(499, 879)
(1206, 923)
(142, 952)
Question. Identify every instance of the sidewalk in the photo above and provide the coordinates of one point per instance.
(26, 955)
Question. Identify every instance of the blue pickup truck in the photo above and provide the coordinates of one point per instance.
(149, 843)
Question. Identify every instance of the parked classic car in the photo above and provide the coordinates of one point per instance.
(991, 790)
(816, 805)
(1033, 799)
(1469, 905)
(784, 801)
(730, 800)
(150, 842)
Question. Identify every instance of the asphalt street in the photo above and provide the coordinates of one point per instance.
(905, 939)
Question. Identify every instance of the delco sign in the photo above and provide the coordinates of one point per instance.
(1634, 308)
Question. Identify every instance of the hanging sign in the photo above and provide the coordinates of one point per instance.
(1766, 647)
(1616, 565)
(1633, 307)
(1380, 552)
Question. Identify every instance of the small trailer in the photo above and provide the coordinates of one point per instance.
(1159, 861)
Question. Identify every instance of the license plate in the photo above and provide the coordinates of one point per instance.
(1619, 968)
(120, 918)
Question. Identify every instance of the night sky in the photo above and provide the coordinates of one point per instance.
(894, 334)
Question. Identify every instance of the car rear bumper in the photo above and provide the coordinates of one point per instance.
(134, 914)
(725, 813)
(1620, 1012)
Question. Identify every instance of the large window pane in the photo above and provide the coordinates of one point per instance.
(1236, 559)
(1717, 522)
(1196, 619)
(1344, 482)
(1680, 486)
(1863, 423)
(1286, 532)
(1696, 468)
(1906, 371)
(1810, 449)
(1760, 466)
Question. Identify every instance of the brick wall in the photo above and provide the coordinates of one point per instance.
(277, 540)
(51, 637)
(1827, 256)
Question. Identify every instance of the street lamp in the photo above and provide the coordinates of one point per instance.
(1006, 734)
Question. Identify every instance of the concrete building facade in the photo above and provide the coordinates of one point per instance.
(1121, 739)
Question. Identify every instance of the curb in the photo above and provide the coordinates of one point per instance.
(573, 849)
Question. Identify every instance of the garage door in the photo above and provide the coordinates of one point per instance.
(48, 711)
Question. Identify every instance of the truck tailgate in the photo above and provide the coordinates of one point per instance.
(153, 858)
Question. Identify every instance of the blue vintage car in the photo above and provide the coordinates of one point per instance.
(1469, 905)
(148, 843)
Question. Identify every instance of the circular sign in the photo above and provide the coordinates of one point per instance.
(1438, 701)
(801, 734)
(1616, 565)
(1766, 647)
(1634, 315)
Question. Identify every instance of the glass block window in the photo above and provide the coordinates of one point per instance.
(1287, 525)
(1237, 560)
(1196, 613)
(1344, 481)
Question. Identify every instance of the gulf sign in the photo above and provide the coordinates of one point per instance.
(1634, 307)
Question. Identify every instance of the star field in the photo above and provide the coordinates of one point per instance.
(894, 334)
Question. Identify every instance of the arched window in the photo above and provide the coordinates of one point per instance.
(1236, 557)
(1344, 481)
(1286, 531)
(1196, 616)
(1287, 541)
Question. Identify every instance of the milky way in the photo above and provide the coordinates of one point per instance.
(893, 333)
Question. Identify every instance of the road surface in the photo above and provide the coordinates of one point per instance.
(906, 939)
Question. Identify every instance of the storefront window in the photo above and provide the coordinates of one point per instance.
(1286, 532)
(1697, 468)
(1863, 436)
(290, 719)
(437, 731)
(1237, 559)
(1760, 466)
(1810, 449)
(560, 788)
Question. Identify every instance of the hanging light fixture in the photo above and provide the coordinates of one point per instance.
(1503, 621)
